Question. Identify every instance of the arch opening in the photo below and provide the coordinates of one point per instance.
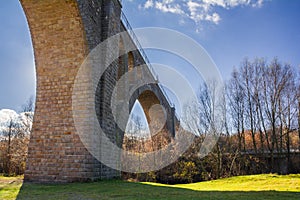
(130, 61)
(16, 57)
(146, 129)
(137, 125)
(122, 61)
(131, 65)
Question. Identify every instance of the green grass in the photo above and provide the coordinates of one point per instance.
(10, 187)
(256, 187)
(263, 182)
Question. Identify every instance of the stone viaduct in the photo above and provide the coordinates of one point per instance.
(63, 33)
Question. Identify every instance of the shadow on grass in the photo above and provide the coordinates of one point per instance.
(128, 190)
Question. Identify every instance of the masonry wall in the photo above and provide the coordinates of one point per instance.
(63, 33)
(56, 153)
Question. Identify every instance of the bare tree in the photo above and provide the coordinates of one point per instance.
(211, 103)
(248, 77)
(277, 78)
(9, 134)
(235, 94)
(29, 105)
(16, 135)
(261, 101)
(298, 100)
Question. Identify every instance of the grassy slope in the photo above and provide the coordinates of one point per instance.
(243, 187)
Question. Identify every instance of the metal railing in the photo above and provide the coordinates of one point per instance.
(143, 54)
(138, 45)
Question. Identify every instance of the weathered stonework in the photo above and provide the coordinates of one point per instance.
(63, 33)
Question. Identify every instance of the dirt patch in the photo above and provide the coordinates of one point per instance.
(10, 180)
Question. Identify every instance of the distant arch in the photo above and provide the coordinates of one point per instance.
(153, 107)
(131, 65)
(122, 61)
(130, 61)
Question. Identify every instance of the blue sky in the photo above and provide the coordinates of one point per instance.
(267, 30)
(229, 30)
(17, 75)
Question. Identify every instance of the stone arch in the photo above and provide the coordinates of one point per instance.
(131, 63)
(148, 101)
(122, 61)
(159, 115)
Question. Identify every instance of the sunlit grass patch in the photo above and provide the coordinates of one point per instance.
(262, 182)
(10, 186)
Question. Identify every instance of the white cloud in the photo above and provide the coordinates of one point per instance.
(148, 4)
(221, 3)
(258, 4)
(21, 119)
(166, 6)
(215, 18)
(198, 10)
